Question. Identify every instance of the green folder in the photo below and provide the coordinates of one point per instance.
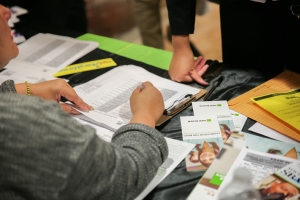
(149, 55)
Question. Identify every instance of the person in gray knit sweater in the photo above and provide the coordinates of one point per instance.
(46, 154)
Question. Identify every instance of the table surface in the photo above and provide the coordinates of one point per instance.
(237, 80)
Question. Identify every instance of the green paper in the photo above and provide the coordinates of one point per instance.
(149, 55)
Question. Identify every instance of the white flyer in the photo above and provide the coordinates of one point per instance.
(221, 110)
(205, 133)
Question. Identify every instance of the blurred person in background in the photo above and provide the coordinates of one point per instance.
(259, 34)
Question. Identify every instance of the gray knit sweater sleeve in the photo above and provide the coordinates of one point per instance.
(8, 87)
(46, 154)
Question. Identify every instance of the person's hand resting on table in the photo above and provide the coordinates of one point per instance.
(54, 90)
(183, 67)
(146, 104)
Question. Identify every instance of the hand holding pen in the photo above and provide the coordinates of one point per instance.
(147, 105)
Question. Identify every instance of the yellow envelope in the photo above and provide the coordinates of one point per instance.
(285, 106)
(284, 82)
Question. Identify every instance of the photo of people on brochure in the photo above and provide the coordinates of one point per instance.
(204, 153)
(226, 129)
(273, 147)
(276, 188)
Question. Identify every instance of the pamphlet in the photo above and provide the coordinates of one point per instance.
(205, 133)
(284, 184)
(261, 165)
(215, 174)
(257, 143)
(221, 111)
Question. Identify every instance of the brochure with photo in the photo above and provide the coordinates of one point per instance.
(261, 165)
(267, 145)
(221, 111)
(284, 184)
(205, 133)
(208, 185)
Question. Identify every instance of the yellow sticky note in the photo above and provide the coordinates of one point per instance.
(285, 106)
(86, 66)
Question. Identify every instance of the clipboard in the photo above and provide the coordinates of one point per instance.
(182, 104)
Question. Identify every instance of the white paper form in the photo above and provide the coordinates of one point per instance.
(264, 130)
(177, 151)
(109, 93)
(47, 53)
(261, 165)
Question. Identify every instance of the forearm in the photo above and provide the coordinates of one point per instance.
(21, 88)
(180, 42)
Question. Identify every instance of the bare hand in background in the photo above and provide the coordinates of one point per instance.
(183, 67)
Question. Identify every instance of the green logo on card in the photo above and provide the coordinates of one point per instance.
(217, 179)
(236, 114)
(219, 104)
(208, 120)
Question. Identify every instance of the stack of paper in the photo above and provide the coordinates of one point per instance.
(41, 56)
(109, 94)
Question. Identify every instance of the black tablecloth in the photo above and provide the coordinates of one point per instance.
(237, 80)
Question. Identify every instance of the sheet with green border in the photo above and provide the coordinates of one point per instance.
(149, 55)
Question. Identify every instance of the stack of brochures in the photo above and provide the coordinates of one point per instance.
(209, 128)
(269, 162)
